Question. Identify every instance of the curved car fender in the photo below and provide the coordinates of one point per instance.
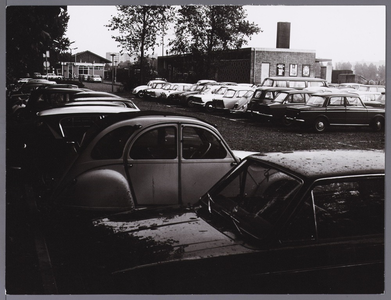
(99, 190)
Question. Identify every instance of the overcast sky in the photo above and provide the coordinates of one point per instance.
(340, 33)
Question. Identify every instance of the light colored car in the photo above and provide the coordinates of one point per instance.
(52, 76)
(144, 159)
(95, 78)
(229, 99)
(139, 90)
(240, 106)
(175, 88)
(294, 82)
(206, 95)
(155, 92)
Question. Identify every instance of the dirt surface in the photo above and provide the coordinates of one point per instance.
(243, 133)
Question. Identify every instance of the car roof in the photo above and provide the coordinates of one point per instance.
(81, 109)
(273, 88)
(296, 78)
(326, 163)
(330, 94)
(148, 116)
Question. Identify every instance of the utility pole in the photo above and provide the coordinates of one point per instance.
(112, 72)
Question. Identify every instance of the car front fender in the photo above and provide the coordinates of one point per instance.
(98, 190)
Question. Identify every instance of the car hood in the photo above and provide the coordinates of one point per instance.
(170, 237)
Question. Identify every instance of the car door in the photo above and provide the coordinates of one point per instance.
(356, 112)
(205, 159)
(336, 110)
(335, 243)
(152, 166)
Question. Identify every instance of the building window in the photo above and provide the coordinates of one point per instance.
(306, 70)
(83, 70)
(280, 70)
(293, 70)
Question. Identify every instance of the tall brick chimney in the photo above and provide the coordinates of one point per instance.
(283, 35)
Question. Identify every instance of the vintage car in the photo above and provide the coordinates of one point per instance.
(263, 95)
(294, 82)
(199, 88)
(94, 78)
(175, 89)
(323, 110)
(370, 98)
(43, 98)
(144, 159)
(227, 101)
(200, 100)
(276, 224)
(139, 90)
(206, 95)
(91, 93)
(240, 107)
(156, 91)
(274, 110)
(40, 146)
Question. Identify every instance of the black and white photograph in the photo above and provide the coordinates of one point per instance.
(195, 149)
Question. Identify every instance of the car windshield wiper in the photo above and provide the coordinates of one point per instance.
(210, 201)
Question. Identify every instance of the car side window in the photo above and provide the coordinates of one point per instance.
(336, 101)
(111, 146)
(298, 98)
(342, 209)
(199, 143)
(350, 208)
(158, 143)
(353, 101)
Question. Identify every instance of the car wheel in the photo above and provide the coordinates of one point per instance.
(378, 124)
(140, 94)
(320, 125)
(209, 107)
(286, 122)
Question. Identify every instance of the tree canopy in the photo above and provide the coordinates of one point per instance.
(139, 27)
(30, 32)
(204, 29)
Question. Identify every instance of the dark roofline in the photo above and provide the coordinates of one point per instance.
(102, 58)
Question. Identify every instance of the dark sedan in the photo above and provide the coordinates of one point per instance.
(275, 110)
(336, 109)
(277, 223)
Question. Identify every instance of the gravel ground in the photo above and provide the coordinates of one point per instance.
(243, 133)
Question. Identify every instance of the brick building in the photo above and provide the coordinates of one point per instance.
(250, 65)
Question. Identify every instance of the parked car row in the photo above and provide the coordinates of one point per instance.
(270, 101)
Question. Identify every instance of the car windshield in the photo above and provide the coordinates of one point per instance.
(315, 101)
(280, 97)
(221, 90)
(229, 94)
(254, 197)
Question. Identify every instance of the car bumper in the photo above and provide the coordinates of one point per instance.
(295, 119)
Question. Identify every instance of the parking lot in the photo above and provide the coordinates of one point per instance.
(29, 256)
(243, 133)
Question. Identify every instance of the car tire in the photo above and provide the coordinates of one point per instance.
(286, 122)
(140, 94)
(209, 107)
(320, 124)
(378, 124)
